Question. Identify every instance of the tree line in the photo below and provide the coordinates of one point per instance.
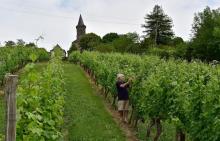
(159, 38)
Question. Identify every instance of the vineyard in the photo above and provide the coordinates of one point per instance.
(175, 91)
(119, 79)
(40, 102)
(169, 99)
(11, 60)
(43, 104)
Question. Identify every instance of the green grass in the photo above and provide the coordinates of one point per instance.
(86, 118)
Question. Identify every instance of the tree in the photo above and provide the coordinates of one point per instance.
(134, 37)
(89, 41)
(146, 44)
(110, 37)
(122, 44)
(176, 41)
(72, 48)
(30, 45)
(206, 35)
(20, 42)
(105, 47)
(10, 44)
(158, 26)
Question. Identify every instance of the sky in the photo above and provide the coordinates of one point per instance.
(56, 20)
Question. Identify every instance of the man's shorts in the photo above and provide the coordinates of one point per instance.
(123, 105)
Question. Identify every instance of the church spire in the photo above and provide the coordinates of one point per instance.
(80, 23)
(81, 28)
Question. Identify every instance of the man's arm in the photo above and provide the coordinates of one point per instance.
(125, 84)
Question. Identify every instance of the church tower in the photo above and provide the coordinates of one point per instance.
(81, 28)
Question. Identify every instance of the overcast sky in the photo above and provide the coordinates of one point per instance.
(55, 20)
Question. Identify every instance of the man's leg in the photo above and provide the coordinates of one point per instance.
(126, 116)
(125, 112)
(120, 113)
(120, 109)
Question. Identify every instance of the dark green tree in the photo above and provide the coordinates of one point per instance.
(176, 41)
(30, 45)
(89, 41)
(109, 37)
(206, 35)
(73, 47)
(146, 44)
(10, 43)
(158, 26)
(123, 44)
(105, 47)
(20, 42)
(134, 37)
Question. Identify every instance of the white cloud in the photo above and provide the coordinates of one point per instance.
(56, 19)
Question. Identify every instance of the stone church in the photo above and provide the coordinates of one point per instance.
(80, 28)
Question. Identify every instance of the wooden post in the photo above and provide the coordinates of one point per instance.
(10, 93)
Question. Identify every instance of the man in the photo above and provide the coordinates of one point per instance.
(123, 97)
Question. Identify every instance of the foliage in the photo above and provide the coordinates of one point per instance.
(123, 44)
(186, 94)
(58, 51)
(146, 44)
(20, 42)
(40, 102)
(110, 37)
(2, 137)
(120, 43)
(133, 36)
(183, 51)
(161, 51)
(158, 26)
(179, 51)
(176, 41)
(73, 47)
(104, 47)
(206, 35)
(10, 43)
(30, 45)
(13, 58)
(89, 41)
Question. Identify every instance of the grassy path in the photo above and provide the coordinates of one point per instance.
(86, 118)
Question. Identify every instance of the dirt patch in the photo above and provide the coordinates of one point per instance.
(128, 132)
